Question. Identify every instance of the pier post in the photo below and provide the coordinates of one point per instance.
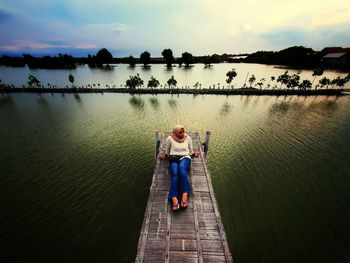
(206, 143)
(157, 142)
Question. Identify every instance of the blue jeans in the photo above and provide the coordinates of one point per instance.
(179, 179)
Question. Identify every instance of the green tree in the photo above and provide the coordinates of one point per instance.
(187, 58)
(134, 81)
(347, 78)
(335, 81)
(104, 56)
(33, 82)
(305, 84)
(210, 59)
(317, 72)
(153, 82)
(207, 61)
(342, 81)
(251, 80)
(131, 61)
(261, 83)
(284, 78)
(71, 79)
(168, 57)
(172, 82)
(145, 58)
(293, 81)
(324, 82)
(271, 79)
(230, 75)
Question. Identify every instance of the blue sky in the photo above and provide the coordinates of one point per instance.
(201, 27)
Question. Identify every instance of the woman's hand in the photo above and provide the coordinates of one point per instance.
(195, 154)
(162, 156)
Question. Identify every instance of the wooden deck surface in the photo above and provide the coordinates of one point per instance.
(195, 234)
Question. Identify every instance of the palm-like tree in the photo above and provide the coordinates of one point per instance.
(33, 82)
(251, 80)
(261, 83)
(272, 78)
(324, 82)
(284, 78)
(305, 84)
(293, 81)
(230, 75)
(317, 72)
(71, 79)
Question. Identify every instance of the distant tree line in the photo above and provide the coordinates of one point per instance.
(298, 56)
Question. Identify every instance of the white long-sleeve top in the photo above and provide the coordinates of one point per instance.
(179, 148)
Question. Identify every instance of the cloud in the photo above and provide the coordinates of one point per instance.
(315, 37)
(333, 18)
(285, 37)
(198, 26)
(107, 28)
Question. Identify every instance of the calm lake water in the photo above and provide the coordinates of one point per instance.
(76, 171)
(205, 76)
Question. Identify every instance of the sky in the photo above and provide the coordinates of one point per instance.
(201, 27)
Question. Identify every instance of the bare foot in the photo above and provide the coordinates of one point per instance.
(176, 205)
(184, 201)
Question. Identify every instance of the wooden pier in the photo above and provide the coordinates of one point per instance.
(195, 234)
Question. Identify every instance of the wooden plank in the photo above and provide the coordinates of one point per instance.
(167, 238)
(198, 238)
(207, 234)
(183, 245)
(227, 253)
(214, 257)
(183, 256)
(155, 244)
(183, 234)
(153, 256)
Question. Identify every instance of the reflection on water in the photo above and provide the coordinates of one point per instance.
(42, 100)
(173, 103)
(279, 107)
(6, 99)
(154, 102)
(225, 109)
(73, 171)
(137, 103)
(146, 68)
(246, 100)
(208, 66)
(303, 114)
(77, 97)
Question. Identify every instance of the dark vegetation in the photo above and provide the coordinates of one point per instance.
(284, 84)
(295, 57)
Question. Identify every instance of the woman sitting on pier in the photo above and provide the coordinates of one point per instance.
(179, 150)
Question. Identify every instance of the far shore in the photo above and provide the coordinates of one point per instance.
(203, 91)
